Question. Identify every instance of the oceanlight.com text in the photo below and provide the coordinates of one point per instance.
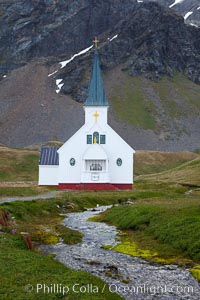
(152, 290)
(76, 288)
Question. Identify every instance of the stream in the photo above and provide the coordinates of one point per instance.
(131, 277)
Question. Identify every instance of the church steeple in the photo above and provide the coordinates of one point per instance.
(96, 92)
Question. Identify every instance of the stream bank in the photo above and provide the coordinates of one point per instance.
(131, 277)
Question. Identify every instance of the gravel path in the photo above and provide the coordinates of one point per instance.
(144, 280)
(43, 196)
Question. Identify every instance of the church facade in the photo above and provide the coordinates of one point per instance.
(95, 157)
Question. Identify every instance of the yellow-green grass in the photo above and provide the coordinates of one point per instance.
(22, 270)
(184, 90)
(130, 103)
(158, 197)
(159, 228)
(147, 162)
(19, 169)
(18, 165)
(163, 224)
(23, 191)
(135, 99)
(187, 174)
(41, 219)
(196, 271)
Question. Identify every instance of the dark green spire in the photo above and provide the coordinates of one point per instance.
(96, 92)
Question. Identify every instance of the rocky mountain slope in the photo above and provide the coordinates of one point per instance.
(189, 9)
(45, 28)
(150, 60)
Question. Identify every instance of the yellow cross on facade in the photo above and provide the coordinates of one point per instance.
(96, 41)
(96, 115)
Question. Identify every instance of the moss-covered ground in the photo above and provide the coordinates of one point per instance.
(24, 271)
(18, 165)
(162, 224)
(139, 101)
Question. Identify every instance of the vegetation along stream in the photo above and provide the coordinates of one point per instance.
(131, 277)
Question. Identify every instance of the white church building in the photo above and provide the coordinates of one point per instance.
(95, 157)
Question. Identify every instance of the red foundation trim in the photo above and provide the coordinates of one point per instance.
(94, 186)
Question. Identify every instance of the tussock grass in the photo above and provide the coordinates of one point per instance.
(187, 174)
(42, 220)
(23, 191)
(18, 165)
(25, 267)
(130, 103)
(135, 99)
(175, 224)
(151, 162)
(164, 218)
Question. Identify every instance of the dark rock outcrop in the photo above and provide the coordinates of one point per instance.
(44, 28)
(183, 7)
(151, 40)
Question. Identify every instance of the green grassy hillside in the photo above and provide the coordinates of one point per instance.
(22, 165)
(18, 165)
(148, 162)
(187, 174)
(153, 105)
(25, 269)
(162, 224)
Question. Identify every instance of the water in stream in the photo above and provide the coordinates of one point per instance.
(144, 280)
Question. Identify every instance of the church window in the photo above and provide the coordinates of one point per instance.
(89, 139)
(72, 162)
(95, 165)
(102, 139)
(95, 138)
(119, 162)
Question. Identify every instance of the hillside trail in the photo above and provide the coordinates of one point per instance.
(30, 198)
(131, 277)
(18, 183)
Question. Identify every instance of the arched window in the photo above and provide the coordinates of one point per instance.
(95, 137)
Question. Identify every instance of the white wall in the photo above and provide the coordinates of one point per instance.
(48, 175)
(90, 111)
(72, 149)
(115, 148)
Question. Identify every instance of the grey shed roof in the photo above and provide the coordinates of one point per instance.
(49, 156)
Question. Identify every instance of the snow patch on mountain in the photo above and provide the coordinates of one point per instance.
(64, 63)
(192, 24)
(59, 85)
(114, 37)
(176, 2)
(188, 14)
(53, 73)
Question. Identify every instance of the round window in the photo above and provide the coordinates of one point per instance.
(119, 162)
(72, 161)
